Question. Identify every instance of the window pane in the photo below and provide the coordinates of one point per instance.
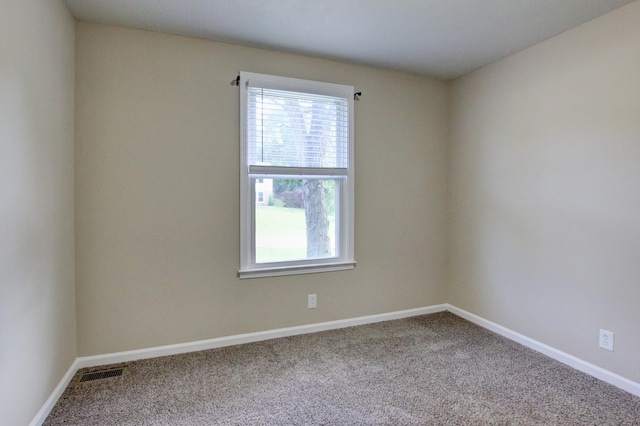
(291, 129)
(298, 222)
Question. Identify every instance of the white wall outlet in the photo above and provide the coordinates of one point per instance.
(606, 340)
(312, 301)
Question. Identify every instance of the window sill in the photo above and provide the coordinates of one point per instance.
(295, 270)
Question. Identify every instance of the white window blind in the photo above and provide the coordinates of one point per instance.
(293, 129)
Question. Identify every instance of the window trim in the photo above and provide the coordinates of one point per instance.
(248, 176)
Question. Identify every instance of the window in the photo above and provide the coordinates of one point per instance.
(297, 154)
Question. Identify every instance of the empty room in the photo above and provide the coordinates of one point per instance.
(300, 212)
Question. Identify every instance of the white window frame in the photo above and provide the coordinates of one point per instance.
(344, 259)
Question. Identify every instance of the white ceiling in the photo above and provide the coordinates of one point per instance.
(440, 38)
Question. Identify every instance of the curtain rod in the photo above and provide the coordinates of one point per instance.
(236, 82)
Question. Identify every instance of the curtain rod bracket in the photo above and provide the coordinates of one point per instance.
(356, 96)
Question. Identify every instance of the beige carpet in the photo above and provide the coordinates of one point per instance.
(430, 370)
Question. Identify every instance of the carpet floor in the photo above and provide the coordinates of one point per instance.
(434, 369)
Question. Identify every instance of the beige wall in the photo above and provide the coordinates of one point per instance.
(157, 205)
(545, 183)
(37, 302)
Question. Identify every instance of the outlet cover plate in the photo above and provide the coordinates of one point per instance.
(312, 301)
(606, 340)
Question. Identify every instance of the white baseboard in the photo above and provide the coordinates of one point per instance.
(114, 358)
(118, 357)
(55, 395)
(558, 355)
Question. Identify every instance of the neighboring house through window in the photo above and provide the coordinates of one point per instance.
(296, 178)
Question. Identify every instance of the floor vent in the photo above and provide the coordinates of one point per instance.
(102, 374)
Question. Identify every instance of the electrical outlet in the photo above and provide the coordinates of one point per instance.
(312, 301)
(606, 340)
